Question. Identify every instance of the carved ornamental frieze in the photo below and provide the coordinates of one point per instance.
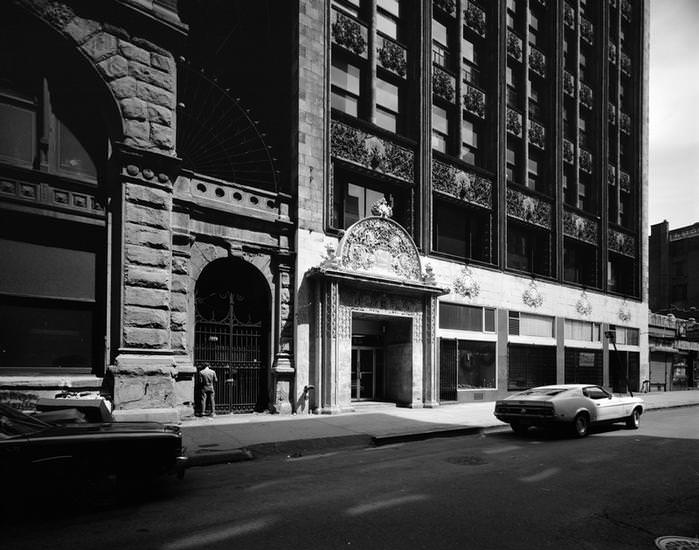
(528, 209)
(621, 243)
(461, 184)
(380, 246)
(579, 227)
(377, 154)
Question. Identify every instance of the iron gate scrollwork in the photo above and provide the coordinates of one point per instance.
(233, 348)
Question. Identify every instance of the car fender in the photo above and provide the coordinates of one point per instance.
(592, 414)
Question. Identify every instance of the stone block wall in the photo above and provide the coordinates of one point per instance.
(312, 113)
(140, 74)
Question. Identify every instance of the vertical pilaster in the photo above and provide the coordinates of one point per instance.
(282, 368)
(144, 372)
(430, 378)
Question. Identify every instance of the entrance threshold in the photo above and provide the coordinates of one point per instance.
(364, 405)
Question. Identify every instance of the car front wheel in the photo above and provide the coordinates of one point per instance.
(633, 422)
(581, 425)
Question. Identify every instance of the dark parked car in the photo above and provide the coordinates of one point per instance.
(33, 450)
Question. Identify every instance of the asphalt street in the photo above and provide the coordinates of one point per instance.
(615, 489)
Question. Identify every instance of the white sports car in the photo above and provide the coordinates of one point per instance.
(579, 405)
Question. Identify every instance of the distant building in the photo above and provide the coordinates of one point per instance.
(673, 267)
(674, 349)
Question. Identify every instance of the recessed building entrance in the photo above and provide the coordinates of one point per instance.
(382, 358)
(367, 373)
(232, 312)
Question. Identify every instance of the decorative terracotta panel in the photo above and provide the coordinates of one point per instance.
(349, 33)
(621, 243)
(392, 56)
(579, 227)
(443, 84)
(474, 18)
(464, 185)
(528, 209)
(474, 101)
(372, 152)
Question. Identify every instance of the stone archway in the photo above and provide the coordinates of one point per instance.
(232, 333)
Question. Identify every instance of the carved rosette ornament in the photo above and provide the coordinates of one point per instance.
(583, 305)
(624, 312)
(466, 284)
(532, 296)
(382, 246)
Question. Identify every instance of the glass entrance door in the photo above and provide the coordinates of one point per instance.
(364, 372)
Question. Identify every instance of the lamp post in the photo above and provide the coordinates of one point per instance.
(611, 336)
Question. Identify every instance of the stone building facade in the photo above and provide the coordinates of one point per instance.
(133, 253)
(408, 202)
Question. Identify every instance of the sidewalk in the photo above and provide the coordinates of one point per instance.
(231, 438)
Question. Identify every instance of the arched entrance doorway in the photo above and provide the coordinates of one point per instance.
(232, 333)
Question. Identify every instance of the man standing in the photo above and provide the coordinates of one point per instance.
(207, 379)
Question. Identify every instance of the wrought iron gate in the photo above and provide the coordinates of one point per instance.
(233, 349)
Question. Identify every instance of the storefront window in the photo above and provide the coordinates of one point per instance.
(476, 365)
(530, 366)
(583, 366)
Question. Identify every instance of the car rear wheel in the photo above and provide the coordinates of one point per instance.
(581, 425)
(633, 422)
(519, 429)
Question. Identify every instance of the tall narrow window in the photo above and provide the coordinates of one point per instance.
(387, 105)
(387, 17)
(440, 44)
(440, 129)
(345, 82)
(470, 131)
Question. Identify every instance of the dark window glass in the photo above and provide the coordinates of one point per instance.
(527, 249)
(46, 335)
(530, 366)
(580, 263)
(583, 366)
(17, 134)
(489, 320)
(476, 365)
(460, 317)
(461, 232)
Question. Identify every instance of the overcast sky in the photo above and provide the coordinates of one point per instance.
(674, 112)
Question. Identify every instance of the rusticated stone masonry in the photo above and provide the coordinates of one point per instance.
(140, 74)
(147, 274)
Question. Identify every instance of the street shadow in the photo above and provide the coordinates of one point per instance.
(76, 497)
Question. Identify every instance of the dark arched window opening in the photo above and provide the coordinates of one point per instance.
(53, 229)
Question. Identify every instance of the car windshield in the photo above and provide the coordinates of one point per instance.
(542, 391)
(14, 422)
